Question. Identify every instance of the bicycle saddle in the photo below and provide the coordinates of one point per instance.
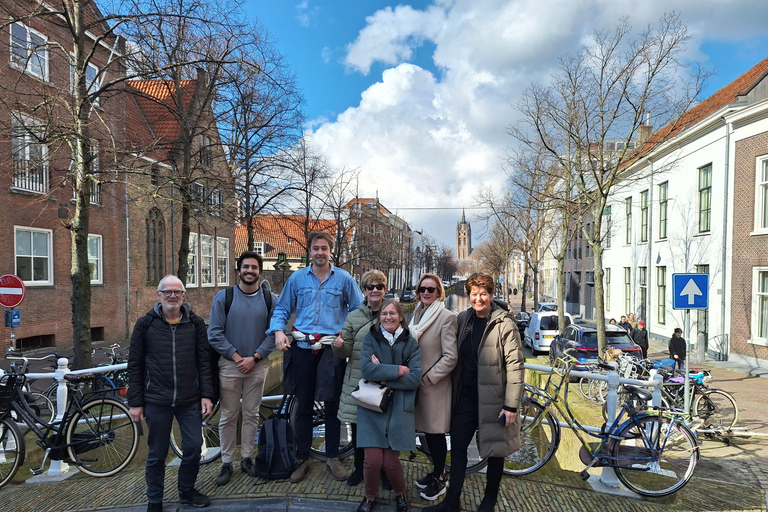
(642, 394)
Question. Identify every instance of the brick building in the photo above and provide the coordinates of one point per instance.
(134, 213)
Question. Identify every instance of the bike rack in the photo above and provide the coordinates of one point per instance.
(608, 475)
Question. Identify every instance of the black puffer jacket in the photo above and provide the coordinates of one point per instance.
(169, 366)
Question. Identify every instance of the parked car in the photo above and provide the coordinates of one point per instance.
(392, 295)
(583, 338)
(521, 321)
(541, 330)
(547, 306)
(408, 296)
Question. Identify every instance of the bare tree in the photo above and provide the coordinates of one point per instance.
(606, 92)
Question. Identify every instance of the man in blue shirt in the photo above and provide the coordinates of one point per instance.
(322, 296)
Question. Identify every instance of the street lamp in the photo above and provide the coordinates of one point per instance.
(282, 264)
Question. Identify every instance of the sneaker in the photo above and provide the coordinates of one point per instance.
(424, 481)
(433, 490)
(195, 498)
(224, 475)
(300, 472)
(336, 469)
(154, 507)
(355, 478)
(247, 467)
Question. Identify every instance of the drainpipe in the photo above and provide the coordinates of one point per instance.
(724, 248)
(127, 263)
(653, 276)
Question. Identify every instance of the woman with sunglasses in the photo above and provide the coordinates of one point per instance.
(434, 327)
(349, 344)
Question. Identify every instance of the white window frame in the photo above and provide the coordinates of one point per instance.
(607, 288)
(21, 130)
(628, 220)
(99, 258)
(663, 210)
(92, 84)
(192, 259)
(222, 261)
(31, 50)
(761, 195)
(206, 261)
(258, 248)
(49, 256)
(705, 192)
(754, 327)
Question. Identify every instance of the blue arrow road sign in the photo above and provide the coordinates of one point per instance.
(690, 291)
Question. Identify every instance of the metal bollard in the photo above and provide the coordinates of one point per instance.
(57, 467)
(608, 475)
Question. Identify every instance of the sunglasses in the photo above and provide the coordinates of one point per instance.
(430, 289)
(370, 287)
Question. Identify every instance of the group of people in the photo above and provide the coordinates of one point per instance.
(456, 374)
(638, 333)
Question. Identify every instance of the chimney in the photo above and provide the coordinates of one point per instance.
(645, 130)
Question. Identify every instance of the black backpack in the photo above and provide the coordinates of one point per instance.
(276, 457)
(229, 296)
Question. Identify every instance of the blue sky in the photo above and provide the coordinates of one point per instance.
(419, 95)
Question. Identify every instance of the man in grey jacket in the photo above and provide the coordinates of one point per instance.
(238, 334)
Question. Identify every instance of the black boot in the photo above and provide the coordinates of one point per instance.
(488, 504)
(451, 503)
(366, 505)
(402, 503)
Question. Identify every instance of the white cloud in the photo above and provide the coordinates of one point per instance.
(305, 14)
(326, 53)
(426, 141)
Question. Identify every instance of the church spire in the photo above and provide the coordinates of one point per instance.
(463, 218)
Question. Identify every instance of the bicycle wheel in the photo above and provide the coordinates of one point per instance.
(584, 383)
(317, 449)
(102, 438)
(598, 389)
(539, 436)
(41, 406)
(11, 450)
(655, 456)
(716, 407)
(103, 384)
(211, 449)
(474, 461)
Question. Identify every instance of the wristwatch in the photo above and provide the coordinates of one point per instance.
(256, 358)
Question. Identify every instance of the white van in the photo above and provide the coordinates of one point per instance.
(542, 328)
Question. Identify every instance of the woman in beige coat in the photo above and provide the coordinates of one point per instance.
(434, 327)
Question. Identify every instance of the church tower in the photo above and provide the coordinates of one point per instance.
(463, 238)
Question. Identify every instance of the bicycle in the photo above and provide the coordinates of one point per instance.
(211, 449)
(709, 407)
(652, 452)
(475, 462)
(95, 432)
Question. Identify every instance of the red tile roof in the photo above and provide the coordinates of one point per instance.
(366, 201)
(725, 96)
(158, 103)
(276, 231)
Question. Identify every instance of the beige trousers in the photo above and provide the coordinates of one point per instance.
(233, 385)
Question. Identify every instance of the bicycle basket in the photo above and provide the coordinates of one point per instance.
(7, 383)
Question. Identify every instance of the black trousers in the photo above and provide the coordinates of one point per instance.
(464, 422)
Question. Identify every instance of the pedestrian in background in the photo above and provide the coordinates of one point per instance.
(239, 336)
(640, 337)
(677, 348)
(348, 346)
(613, 321)
(434, 327)
(625, 325)
(390, 355)
(632, 321)
(169, 376)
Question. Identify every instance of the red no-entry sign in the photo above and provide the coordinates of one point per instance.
(12, 290)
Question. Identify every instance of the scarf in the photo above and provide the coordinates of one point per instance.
(432, 312)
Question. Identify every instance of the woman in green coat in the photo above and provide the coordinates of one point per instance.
(390, 355)
(349, 345)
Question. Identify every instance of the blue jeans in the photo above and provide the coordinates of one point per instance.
(304, 367)
(159, 420)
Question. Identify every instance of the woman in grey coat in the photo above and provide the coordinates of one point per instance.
(348, 346)
(390, 355)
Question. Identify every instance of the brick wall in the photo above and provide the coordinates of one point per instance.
(748, 250)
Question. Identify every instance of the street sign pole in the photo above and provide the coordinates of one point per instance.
(687, 395)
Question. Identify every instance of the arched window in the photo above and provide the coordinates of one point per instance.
(155, 246)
